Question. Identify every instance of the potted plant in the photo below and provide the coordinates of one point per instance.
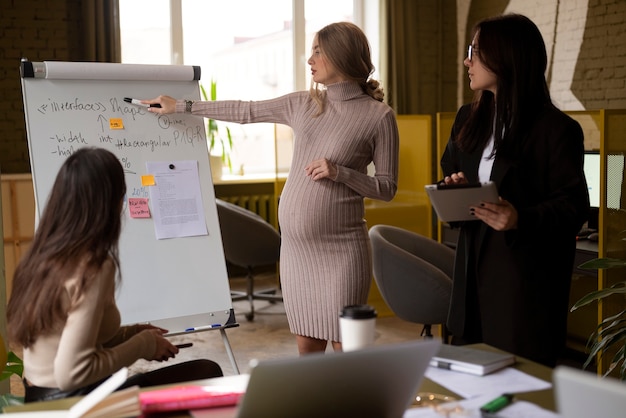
(220, 147)
(611, 332)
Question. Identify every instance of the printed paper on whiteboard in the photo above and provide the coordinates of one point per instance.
(176, 200)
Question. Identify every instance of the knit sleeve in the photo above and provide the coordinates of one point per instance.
(80, 360)
(384, 184)
(278, 110)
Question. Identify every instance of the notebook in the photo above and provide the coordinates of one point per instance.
(470, 360)
(452, 202)
(379, 381)
(582, 394)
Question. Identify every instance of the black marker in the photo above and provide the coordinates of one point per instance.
(184, 345)
(138, 103)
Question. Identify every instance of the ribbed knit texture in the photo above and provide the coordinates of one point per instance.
(325, 260)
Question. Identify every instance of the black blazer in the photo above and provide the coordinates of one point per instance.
(520, 279)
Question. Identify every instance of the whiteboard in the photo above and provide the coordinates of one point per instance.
(176, 283)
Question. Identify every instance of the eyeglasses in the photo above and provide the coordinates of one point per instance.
(470, 51)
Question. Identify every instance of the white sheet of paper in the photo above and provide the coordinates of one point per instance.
(470, 408)
(508, 380)
(176, 199)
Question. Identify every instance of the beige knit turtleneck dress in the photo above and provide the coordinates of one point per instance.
(325, 259)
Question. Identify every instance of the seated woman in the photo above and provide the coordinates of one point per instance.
(62, 309)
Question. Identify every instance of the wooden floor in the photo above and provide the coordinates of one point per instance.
(267, 335)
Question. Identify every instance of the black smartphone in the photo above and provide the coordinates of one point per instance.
(184, 345)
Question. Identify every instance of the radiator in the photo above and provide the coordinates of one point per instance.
(259, 204)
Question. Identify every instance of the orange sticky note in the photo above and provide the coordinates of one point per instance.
(147, 180)
(138, 207)
(116, 123)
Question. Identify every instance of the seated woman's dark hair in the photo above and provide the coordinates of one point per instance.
(79, 229)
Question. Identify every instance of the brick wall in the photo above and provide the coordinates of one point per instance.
(37, 30)
(600, 76)
(586, 43)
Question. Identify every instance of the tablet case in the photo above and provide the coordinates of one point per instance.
(452, 202)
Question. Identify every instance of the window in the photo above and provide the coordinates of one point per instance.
(246, 46)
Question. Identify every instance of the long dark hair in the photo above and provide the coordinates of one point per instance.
(511, 47)
(78, 231)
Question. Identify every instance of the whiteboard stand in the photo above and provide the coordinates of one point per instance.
(69, 105)
(229, 350)
(230, 323)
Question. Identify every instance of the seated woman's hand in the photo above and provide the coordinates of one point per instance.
(142, 327)
(164, 348)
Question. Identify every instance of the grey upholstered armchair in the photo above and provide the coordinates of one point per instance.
(249, 241)
(414, 275)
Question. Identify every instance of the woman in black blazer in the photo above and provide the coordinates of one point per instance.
(514, 263)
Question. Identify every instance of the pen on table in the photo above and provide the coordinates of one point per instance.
(497, 404)
(212, 326)
(138, 102)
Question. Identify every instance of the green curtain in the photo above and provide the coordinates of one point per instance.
(420, 58)
(100, 31)
(402, 57)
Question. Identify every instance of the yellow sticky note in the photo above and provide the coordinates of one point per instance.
(147, 180)
(138, 207)
(116, 123)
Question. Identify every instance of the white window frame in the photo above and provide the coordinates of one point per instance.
(366, 14)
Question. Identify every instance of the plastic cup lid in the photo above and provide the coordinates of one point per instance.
(358, 312)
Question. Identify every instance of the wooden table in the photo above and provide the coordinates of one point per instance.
(542, 398)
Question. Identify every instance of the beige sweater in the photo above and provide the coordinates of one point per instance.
(90, 345)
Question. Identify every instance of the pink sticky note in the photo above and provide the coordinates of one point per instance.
(138, 207)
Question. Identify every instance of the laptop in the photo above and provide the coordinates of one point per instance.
(583, 394)
(379, 381)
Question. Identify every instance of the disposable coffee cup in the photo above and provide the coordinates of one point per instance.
(357, 324)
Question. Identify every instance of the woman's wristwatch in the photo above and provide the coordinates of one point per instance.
(188, 104)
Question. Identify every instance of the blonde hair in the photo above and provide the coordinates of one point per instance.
(347, 49)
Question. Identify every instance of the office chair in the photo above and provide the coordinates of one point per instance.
(414, 276)
(249, 241)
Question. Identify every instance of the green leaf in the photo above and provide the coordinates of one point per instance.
(14, 366)
(616, 289)
(611, 332)
(213, 132)
(213, 89)
(10, 400)
(603, 263)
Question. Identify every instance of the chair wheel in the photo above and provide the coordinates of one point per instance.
(250, 316)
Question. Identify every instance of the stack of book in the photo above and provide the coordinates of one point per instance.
(105, 402)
